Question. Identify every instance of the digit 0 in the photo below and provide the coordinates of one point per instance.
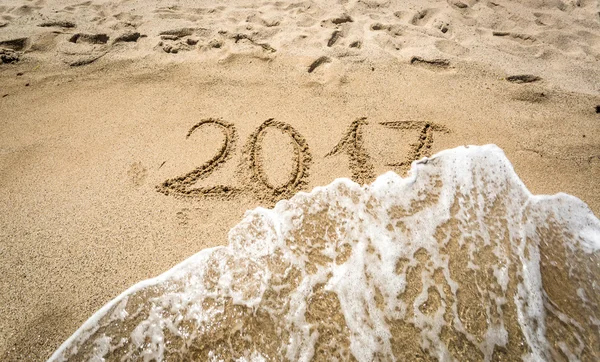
(263, 189)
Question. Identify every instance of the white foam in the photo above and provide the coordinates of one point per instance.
(364, 244)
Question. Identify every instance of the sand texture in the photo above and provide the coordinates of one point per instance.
(458, 261)
(134, 134)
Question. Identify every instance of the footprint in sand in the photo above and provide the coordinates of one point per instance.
(128, 37)
(137, 174)
(10, 50)
(390, 37)
(84, 48)
(8, 56)
(434, 20)
(89, 38)
(320, 61)
(57, 23)
(523, 78)
(17, 44)
(421, 18)
(431, 64)
(521, 38)
(183, 216)
(175, 40)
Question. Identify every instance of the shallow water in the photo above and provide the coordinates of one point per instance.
(456, 262)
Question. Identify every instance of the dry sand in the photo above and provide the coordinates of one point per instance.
(97, 104)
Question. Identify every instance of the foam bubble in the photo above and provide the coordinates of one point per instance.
(457, 261)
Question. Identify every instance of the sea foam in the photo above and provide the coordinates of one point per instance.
(458, 261)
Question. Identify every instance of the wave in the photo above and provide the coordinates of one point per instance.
(458, 261)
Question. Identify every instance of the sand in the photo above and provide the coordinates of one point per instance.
(97, 144)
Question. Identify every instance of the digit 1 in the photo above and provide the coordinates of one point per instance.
(352, 144)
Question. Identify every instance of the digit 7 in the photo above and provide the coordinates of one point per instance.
(421, 148)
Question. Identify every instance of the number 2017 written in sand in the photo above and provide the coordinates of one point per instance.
(251, 168)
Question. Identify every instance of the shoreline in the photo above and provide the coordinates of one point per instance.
(88, 157)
